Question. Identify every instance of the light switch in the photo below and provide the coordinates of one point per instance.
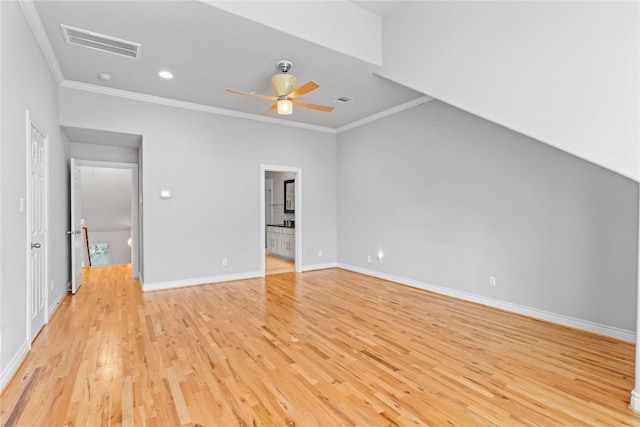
(165, 194)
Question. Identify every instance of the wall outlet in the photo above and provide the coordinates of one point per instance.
(368, 258)
(320, 252)
(492, 280)
(224, 262)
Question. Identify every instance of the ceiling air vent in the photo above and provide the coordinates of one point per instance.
(101, 42)
(343, 100)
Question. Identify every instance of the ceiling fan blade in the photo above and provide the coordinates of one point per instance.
(270, 109)
(305, 88)
(253, 95)
(324, 108)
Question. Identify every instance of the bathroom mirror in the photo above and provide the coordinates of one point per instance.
(290, 196)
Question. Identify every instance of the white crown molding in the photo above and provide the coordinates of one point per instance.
(585, 325)
(136, 96)
(30, 12)
(187, 105)
(385, 113)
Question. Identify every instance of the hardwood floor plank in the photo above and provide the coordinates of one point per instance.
(322, 348)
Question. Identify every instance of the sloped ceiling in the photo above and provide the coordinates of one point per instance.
(565, 73)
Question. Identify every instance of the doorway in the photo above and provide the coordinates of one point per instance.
(111, 227)
(280, 220)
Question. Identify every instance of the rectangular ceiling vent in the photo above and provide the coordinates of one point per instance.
(343, 100)
(101, 42)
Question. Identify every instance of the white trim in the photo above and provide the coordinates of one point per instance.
(12, 367)
(171, 284)
(621, 334)
(385, 113)
(70, 84)
(635, 394)
(319, 266)
(30, 12)
(188, 105)
(298, 213)
(55, 303)
(105, 164)
(1, 223)
(635, 400)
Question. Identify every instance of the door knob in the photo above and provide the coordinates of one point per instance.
(35, 245)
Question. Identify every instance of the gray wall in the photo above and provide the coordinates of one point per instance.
(27, 83)
(452, 199)
(211, 163)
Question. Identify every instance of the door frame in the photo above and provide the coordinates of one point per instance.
(299, 217)
(27, 204)
(136, 236)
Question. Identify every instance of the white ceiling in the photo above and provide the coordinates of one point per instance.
(209, 50)
(380, 8)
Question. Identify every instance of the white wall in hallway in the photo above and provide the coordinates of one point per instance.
(26, 83)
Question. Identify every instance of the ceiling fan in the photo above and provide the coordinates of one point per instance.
(286, 90)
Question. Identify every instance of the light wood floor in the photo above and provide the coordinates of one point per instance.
(323, 348)
(275, 265)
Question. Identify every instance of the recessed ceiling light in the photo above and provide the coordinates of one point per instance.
(104, 76)
(165, 75)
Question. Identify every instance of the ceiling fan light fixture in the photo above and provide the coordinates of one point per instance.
(283, 84)
(285, 107)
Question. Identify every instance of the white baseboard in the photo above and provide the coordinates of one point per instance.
(56, 302)
(158, 286)
(13, 365)
(621, 334)
(635, 400)
(319, 266)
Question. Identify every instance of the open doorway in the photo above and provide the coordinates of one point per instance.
(108, 207)
(280, 219)
(104, 149)
(106, 195)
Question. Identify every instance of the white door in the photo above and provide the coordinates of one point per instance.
(77, 242)
(37, 229)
